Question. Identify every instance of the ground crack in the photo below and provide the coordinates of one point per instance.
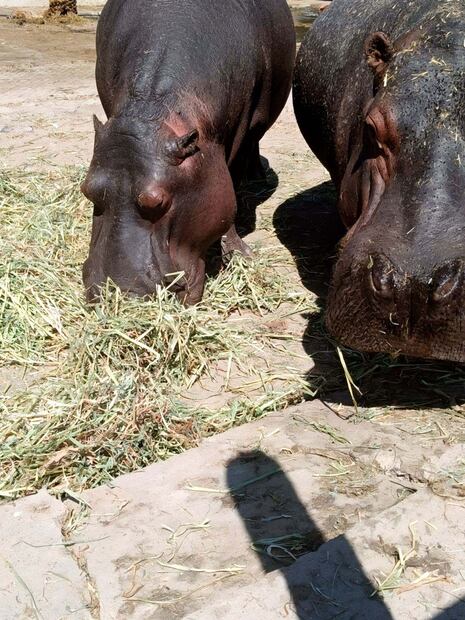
(74, 518)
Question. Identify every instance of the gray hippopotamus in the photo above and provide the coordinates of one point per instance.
(189, 88)
(379, 96)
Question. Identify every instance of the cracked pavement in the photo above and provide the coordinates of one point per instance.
(174, 540)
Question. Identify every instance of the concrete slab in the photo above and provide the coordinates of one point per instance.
(293, 516)
(338, 580)
(39, 577)
(172, 535)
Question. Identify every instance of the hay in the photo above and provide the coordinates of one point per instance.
(59, 12)
(396, 580)
(62, 7)
(110, 400)
(108, 403)
(384, 382)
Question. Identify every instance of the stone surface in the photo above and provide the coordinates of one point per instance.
(337, 580)
(180, 531)
(215, 532)
(39, 577)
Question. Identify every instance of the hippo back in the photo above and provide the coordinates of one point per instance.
(155, 50)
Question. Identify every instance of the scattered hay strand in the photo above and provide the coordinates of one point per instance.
(181, 568)
(182, 597)
(239, 487)
(21, 581)
(286, 548)
(350, 382)
(395, 582)
(326, 429)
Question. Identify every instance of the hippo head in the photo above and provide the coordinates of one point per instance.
(399, 282)
(162, 196)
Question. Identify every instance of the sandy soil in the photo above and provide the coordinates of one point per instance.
(48, 95)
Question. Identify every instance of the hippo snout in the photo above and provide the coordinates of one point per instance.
(395, 290)
(377, 305)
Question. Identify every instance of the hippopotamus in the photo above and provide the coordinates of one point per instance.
(189, 87)
(378, 95)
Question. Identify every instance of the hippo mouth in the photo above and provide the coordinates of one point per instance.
(187, 288)
(145, 261)
(404, 316)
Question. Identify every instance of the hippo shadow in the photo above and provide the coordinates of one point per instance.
(309, 226)
(329, 585)
(251, 194)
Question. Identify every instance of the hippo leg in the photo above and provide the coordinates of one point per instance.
(230, 243)
(246, 168)
(256, 171)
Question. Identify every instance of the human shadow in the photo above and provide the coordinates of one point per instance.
(456, 612)
(310, 228)
(326, 583)
(323, 585)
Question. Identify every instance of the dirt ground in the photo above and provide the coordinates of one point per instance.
(48, 95)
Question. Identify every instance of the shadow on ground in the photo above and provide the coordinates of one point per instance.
(309, 226)
(280, 530)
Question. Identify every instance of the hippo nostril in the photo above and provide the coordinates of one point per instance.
(382, 276)
(447, 280)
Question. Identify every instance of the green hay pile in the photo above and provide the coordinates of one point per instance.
(108, 401)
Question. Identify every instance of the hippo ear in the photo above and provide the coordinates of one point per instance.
(98, 126)
(181, 148)
(378, 51)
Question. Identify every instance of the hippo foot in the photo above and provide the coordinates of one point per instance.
(231, 243)
(258, 169)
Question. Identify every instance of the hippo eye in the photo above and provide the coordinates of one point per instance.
(96, 186)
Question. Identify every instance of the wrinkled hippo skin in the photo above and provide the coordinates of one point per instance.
(379, 96)
(189, 88)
